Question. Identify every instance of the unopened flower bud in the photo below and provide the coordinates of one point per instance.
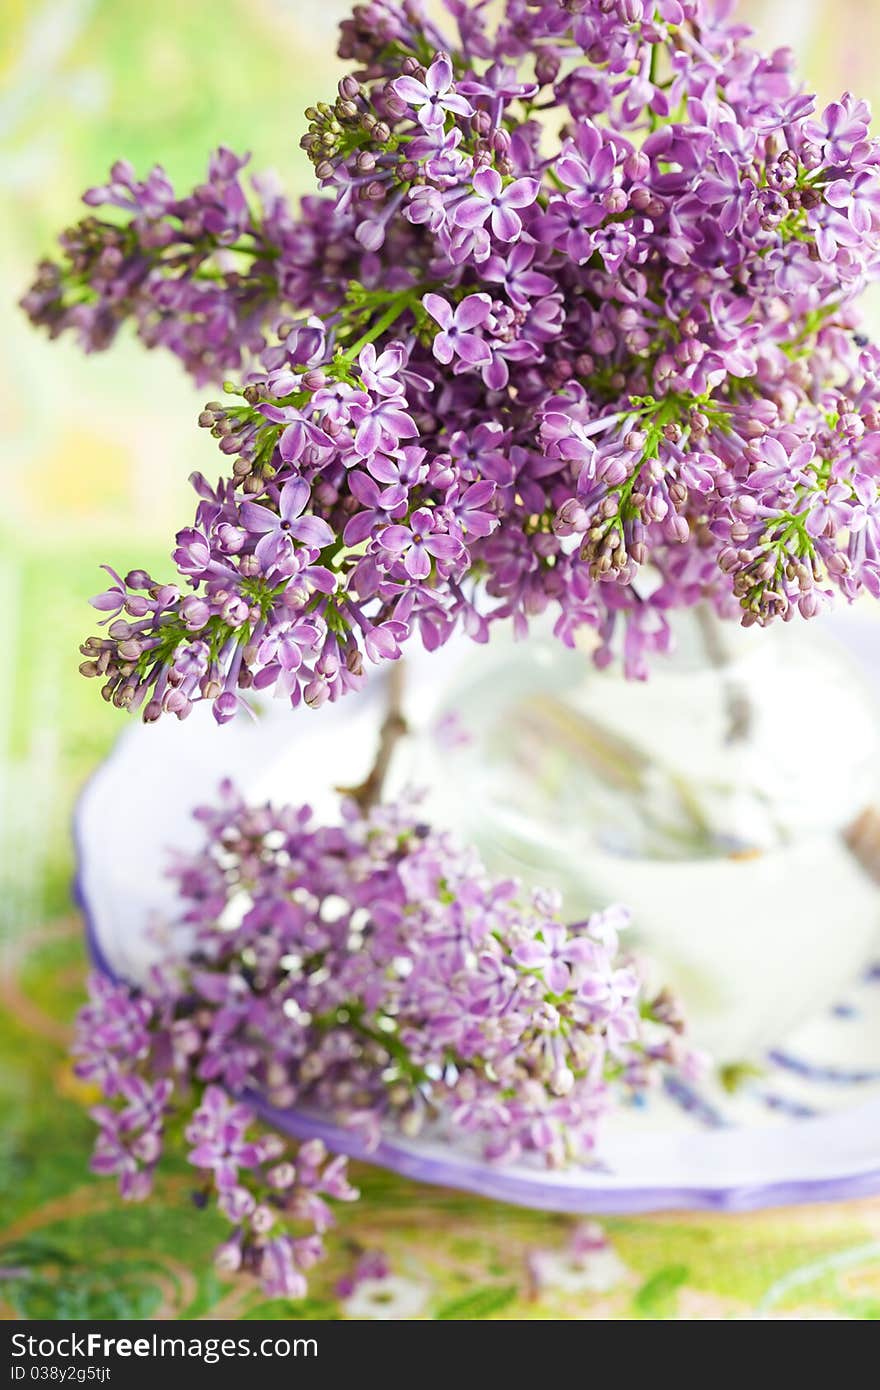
(562, 1081)
(636, 166)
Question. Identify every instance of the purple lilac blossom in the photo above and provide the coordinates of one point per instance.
(600, 259)
(380, 976)
(144, 1048)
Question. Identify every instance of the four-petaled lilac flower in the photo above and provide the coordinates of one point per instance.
(130, 1140)
(513, 273)
(434, 97)
(465, 507)
(299, 435)
(113, 1158)
(418, 543)
(842, 126)
(492, 199)
(609, 990)
(614, 244)
(335, 402)
(832, 508)
(859, 198)
(380, 372)
(381, 425)
(587, 165)
(726, 191)
(379, 506)
(480, 452)
(405, 466)
(457, 338)
(833, 232)
(279, 530)
(289, 647)
(554, 953)
(565, 228)
(217, 1134)
(280, 1276)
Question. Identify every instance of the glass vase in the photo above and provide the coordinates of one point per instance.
(728, 800)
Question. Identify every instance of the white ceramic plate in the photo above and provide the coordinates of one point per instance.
(807, 1129)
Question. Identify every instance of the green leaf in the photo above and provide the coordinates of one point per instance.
(481, 1303)
(655, 1299)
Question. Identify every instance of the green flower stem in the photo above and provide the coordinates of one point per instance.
(397, 306)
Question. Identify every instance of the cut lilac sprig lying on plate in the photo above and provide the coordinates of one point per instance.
(571, 327)
(371, 972)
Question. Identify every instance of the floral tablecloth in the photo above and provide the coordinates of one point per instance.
(96, 456)
(68, 1249)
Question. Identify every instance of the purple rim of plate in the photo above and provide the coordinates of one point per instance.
(490, 1180)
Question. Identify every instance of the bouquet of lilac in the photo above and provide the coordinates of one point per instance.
(373, 973)
(571, 328)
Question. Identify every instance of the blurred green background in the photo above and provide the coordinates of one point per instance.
(96, 454)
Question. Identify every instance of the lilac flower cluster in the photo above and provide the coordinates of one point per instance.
(195, 275)
(571, 328)
(142, 1048)
(372, 971)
